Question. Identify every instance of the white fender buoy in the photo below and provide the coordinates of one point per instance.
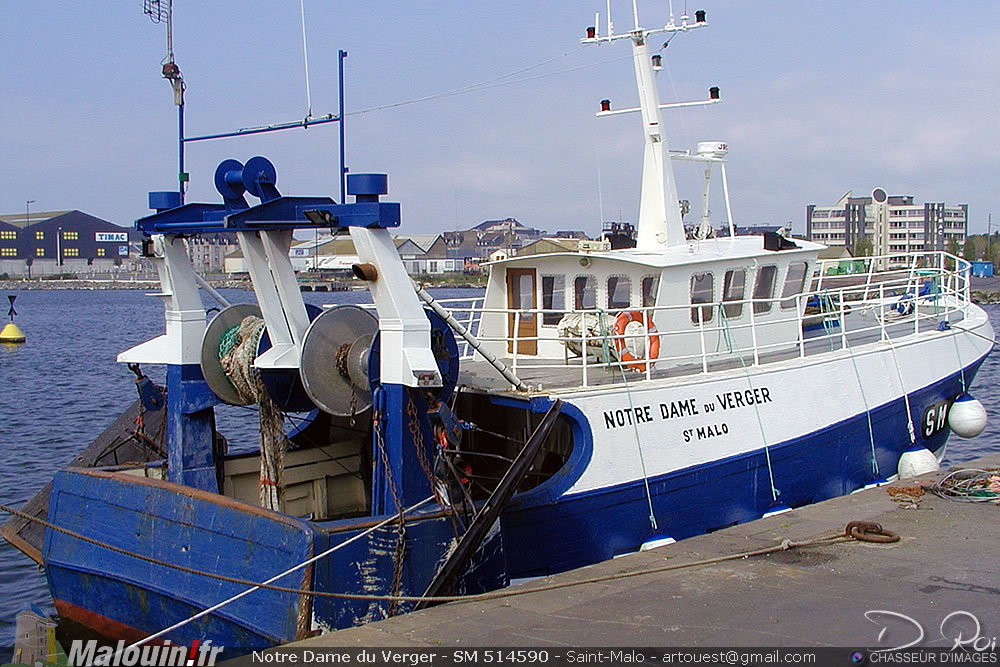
(917, 461)
(656, 541)
(967, 417)
(776, 510)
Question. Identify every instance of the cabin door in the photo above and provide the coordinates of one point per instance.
(521, 297)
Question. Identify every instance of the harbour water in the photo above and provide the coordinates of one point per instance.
(63, 387)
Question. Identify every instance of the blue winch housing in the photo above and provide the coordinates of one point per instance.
(258, 177)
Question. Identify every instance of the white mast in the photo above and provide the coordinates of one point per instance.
(660, 224)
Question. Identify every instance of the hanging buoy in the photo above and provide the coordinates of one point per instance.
(11, 333)
(917, 461)
(967, 417)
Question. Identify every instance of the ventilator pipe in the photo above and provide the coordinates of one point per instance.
(469, 338)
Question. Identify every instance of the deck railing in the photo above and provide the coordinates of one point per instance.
(849, 304)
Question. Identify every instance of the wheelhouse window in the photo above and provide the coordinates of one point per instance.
(619, 292)
(524, 295)
(734, 287)
(585, 293)
(794, 283)
(650, 286)
(702, 291)
(553, 298)
(764, 289)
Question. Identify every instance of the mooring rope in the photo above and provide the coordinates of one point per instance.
(958, 354)
(902, 388)
(606, 347)
(868, 410)
(855, 531)
(775, 492)
(237, 352)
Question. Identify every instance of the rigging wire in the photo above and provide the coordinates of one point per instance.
(673, 87)
(495, 82)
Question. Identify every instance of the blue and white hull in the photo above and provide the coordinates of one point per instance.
(712, 452)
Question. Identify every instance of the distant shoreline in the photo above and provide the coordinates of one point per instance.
(91, 285)
(146, 284)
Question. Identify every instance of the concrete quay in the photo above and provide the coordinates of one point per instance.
(942, 575)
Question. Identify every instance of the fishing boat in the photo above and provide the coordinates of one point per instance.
(594, 402)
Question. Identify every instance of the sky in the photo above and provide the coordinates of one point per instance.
(818, 98)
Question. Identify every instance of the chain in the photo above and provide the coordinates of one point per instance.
(155, 441)
(400, 553)
(418, 442)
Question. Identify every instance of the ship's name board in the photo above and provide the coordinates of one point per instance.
(689, 407)
(111, 237)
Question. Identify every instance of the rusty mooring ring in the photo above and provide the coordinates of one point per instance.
(869, 531)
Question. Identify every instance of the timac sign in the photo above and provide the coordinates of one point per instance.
(111, 237)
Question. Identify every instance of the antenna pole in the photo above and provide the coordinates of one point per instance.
(172, 74)
(181, 174)
(305, 58)
(343, 165)
(170, 31)
(729, 208)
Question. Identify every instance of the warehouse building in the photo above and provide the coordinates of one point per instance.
(54, 242)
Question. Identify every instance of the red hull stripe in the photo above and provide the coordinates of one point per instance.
(103, 625)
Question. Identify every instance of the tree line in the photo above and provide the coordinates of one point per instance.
(979, 248)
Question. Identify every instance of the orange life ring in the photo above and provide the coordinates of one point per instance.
(624, 354)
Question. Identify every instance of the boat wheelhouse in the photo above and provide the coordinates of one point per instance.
(616, 299)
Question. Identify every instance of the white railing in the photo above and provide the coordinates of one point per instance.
(469, 313)
(853, 302)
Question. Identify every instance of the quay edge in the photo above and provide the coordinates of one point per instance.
(804, 597)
